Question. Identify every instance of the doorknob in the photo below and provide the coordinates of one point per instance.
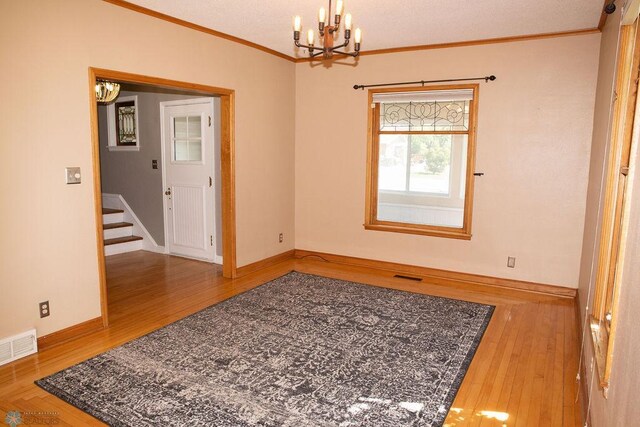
(168, 192)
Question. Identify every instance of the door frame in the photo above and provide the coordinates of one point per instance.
(227, 165)
(217, 258)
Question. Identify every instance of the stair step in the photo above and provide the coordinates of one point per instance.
(116, 225)
(117, 240)
(107, 211)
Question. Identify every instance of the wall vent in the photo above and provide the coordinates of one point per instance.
(18, 346)
(402, 276)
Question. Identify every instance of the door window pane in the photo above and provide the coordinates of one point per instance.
(181, 150)
(187, 139)
(180, 127)
(194, 126)
(195, 151)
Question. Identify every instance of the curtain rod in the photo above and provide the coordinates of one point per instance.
(423, 82)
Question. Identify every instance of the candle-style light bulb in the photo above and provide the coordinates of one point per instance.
(347, 21)
(297, 23)
(311, 35)
(322, 15)
(339, 7)
(358, 37)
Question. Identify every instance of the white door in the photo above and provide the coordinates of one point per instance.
(188, 158)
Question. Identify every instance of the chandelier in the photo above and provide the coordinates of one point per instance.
(106, 91)
(329, 34)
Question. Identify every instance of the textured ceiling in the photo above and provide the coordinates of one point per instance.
(384, 23)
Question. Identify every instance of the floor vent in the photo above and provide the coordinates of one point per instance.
(18, 346)
(415, 279)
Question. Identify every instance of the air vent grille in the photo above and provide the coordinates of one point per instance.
(24, 345)
(5, 352)
(402, 276)
(18, 346)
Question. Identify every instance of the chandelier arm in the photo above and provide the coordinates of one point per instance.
(354, 54)
(298, 44)
(346, 43)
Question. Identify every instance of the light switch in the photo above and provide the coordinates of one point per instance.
(73, 175)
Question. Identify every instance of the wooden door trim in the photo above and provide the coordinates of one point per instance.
(227, 161)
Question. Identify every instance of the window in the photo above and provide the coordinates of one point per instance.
(420, 164)
(126, 130)
(186, 139)
(122, 118)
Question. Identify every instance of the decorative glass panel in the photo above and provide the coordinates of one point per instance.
(126, 123)
(425, 116)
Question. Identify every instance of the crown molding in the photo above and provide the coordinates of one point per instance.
(168, 18)
(469, 43)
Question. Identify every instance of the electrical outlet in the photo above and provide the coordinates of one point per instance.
(281, 238)
(511, 262)
(44, 309)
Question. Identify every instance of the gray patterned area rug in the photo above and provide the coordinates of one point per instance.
(301, 350)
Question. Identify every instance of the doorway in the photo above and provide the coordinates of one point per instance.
(226, 238)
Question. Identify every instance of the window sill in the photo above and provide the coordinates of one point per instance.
(600, 340)
(123, 148)
(451, 233)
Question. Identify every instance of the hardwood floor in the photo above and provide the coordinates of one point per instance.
(524, 368)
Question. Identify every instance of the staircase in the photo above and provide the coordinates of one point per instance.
(118, 234)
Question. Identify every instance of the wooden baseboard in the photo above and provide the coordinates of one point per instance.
(72, 332)
(441, 276)
(264, 263)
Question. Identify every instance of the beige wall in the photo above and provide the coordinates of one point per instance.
(534, 134)
(621, 408)
(48, 243)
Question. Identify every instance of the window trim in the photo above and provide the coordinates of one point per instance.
(615, 218)
(112, 132)
(373, 145)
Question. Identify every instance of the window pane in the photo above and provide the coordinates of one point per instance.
(430, 164)
(181, 151)
(194, 126)
(431, 190)
(189, 150)
(195, 150)
(180, 127)
(392, 169)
